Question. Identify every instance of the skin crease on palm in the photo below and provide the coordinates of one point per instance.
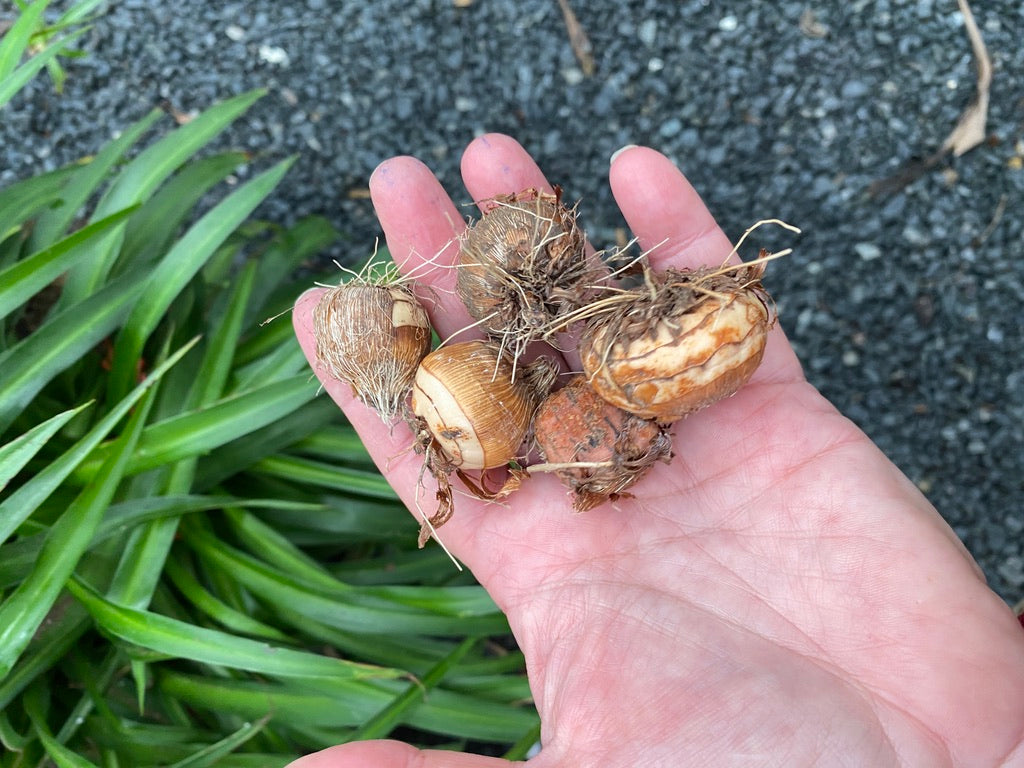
(780, 594)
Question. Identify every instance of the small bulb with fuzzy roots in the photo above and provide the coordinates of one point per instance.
(373, 337)
(474, 403)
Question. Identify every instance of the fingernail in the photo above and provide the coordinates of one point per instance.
(619, 151)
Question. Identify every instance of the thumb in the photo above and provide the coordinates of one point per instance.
(394, 754)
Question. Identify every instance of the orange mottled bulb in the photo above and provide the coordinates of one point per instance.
(685, 341)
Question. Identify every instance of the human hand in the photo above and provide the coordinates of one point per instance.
(780, 594)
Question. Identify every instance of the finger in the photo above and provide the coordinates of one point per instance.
(495, 164)
(669, 218)
(422, 225)
(394, 754)
(664, 211)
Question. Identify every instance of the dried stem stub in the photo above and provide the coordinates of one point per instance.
(372, 336)
(523, 265)
(681, 341)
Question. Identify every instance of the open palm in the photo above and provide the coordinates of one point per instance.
(780, 594)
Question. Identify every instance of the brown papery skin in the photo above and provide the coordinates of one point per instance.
(523, 264)
(678, 353)
(575, 425)
(477, 413)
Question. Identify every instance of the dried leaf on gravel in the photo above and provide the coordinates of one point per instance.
(970, 130)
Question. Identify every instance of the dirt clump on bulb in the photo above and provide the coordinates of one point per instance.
(597, 449)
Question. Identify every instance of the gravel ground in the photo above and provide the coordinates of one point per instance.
(905, 308)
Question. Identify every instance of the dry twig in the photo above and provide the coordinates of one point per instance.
(970, 130)
(578, 39)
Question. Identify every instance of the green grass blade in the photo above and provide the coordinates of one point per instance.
(36, 707)
(15, 41)
(62, 757)
(468, 717)
(521, 749)
(287, 359)
(212, 754)
(23, 612)
(83, 182)
(179, 266)
(289, 250)
(275, 549)
(10, 738)
(216, 366)
(239, 455)
(140, 566)
(138, 743)
(94, 678)
(264, 341)
(14, 82)
(236, 621)
(23, 279)
(336, 443)
(22, 503)
(401, 567)
(503, 687)
(290, 705)
(141, 177)
(153, 229)
(77, 12)
(22, 200)
(307, 472)
(139, 570)
(17, 558)
(452, 612)
(49, 647)
(256, 760)
(198, 432)
(348, 703)
(179, 639)
(60, 342)
(415, 655)
(17, 453)
(350, 519)
(387, 719)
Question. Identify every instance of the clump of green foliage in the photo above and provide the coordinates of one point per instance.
(198, 563)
